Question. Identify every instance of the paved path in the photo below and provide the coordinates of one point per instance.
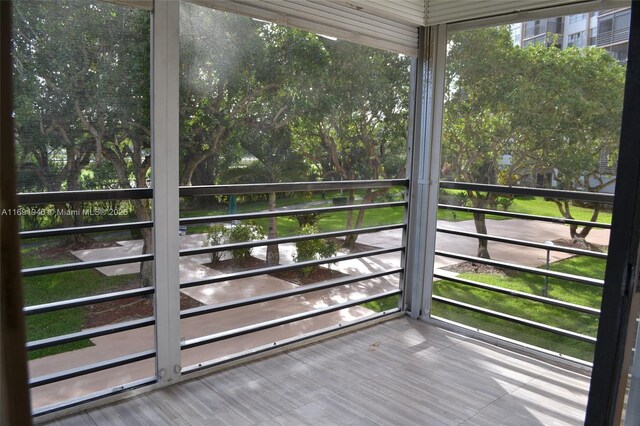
(514, 228)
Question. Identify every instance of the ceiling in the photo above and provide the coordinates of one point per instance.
(391, 24)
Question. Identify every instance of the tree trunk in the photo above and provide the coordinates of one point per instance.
(273, 252)
(146, 268)
(481, 228)
(350, 240)
(143, 213)
(576, 234)
(70, 214)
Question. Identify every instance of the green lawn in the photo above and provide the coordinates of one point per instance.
(529, 205)
(538, 206)
(530, 283)
(329, 222)
(384, 304)
(56, 287)
(336, 221)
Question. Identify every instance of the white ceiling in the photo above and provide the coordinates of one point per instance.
(392, 24)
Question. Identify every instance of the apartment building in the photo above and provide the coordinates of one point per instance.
(608, 29)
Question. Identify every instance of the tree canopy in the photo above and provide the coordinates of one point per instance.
(514, 113)
(263, 102)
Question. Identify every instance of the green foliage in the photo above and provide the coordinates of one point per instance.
(512, 113)
(95, 60)
(217, 234)
(529, 283)
(313, 249)
(503, 203)
(384, 304)
(462, 199)
(55, 287)
(305, 219)
(244, 232)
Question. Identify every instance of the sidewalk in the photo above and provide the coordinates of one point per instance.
(513, 228)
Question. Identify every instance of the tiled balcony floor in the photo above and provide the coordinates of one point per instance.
(400, 372)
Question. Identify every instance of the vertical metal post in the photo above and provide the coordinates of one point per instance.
(164, 172)
(632, 417)
(424, 168)
(620, 298)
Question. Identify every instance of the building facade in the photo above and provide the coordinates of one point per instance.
(608, 29)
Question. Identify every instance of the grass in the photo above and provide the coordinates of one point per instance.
(555, 316)
(538, 206)
(60, 286)
(384, 304)
(329, 222)
(528, 205)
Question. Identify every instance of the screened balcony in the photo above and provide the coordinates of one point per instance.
(248, 212)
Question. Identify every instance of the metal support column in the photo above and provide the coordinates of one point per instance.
(633, 401)
(424, 168)
(620, 298)
(165, 180)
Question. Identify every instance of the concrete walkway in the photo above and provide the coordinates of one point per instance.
(528, 230)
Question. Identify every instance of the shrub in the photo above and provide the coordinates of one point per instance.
(462, 199)
(306, 219)
(218, 234)
(244, 232)
(504, 202)
(386, 197)
(312, 249)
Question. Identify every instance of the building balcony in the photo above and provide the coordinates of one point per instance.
(400, 371)
(198, 293)
(242, 315)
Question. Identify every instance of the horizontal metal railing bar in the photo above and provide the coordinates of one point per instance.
(92, 332)
(278, 213)
(290, 341)
(559, 220)
(212, 338)
(87, 399)
(208, 309)
(517, 320)
(525, 243)
(519, 294)
(521, 268)
(283, 240)
(78, 266)
(93, 368)
(85, 301)
(89, 195)
(263, 188)
(288, 267)
(56, 232)
(596, 197)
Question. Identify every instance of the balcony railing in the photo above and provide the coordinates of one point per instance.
(607, 38)
(512, 266)
(88, 366)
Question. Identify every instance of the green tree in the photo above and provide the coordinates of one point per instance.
(83, 97)
(573, 106)
(511, 113)
(274, 162)
(357, 128)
